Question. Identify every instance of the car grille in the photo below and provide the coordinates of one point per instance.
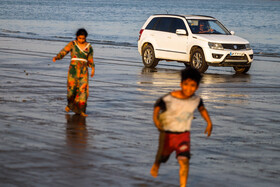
(236, 58)
(234, 46)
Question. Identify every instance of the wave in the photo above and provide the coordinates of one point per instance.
(107, 42)
(267, 54)
(34, 36)
(63, 37)
(9, 31)
(104, 42)
(259, 49)
(17, 32)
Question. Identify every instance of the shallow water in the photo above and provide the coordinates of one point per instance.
(118, 23)
(116, 144)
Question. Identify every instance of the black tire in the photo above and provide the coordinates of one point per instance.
(187, 65)
(198, 60)
(148, 57)
(239, 69)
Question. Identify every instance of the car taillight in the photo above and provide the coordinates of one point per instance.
(140, 33)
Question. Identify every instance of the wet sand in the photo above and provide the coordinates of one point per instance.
(41, 145)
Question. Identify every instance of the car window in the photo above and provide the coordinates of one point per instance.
(152, 24)
(206, 27)
(177, 24)
(164, 24)
(217, 28)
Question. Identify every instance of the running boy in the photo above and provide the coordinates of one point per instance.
(173, 114)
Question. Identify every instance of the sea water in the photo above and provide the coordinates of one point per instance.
(118, 22)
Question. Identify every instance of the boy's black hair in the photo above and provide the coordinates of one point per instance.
(81, 31)
(191, 73)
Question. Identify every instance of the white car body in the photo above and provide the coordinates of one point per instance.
(178, 46)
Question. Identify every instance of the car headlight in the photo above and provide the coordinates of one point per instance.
(248, 47)
(215, 46)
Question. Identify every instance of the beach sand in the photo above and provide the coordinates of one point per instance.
(116, 144)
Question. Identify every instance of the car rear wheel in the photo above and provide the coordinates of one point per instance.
(187, 64)
(198, 60)
(239, 69)
(148, 57)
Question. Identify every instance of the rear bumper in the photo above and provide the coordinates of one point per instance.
(139, 47)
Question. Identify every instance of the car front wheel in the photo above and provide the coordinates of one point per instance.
(198, 60)
(241, 69)
(148, 57)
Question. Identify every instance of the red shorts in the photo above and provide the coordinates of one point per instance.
(169, 142)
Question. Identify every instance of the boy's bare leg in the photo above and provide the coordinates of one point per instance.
(184, 171)
(67, 109)
(154, 169)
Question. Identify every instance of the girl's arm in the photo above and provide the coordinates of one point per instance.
(206, 116)
(92, 71)
(63, 52)
(91, 61)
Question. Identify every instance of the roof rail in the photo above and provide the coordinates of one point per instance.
(204, 16)
(169, 15)
(180, 15)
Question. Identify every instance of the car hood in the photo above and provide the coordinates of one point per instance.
(216, 38)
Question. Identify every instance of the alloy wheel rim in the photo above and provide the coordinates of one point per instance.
(197, 60)
(148, 57)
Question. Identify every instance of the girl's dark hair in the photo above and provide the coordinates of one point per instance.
(81, 31)
(191, 73)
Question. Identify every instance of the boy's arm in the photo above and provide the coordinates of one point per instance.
(206, 116)
(155, 117)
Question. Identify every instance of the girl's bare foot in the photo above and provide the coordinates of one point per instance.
(67, 109)
(83, 114)
(154, 170)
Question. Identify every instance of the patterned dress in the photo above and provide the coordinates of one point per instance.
(77, 84)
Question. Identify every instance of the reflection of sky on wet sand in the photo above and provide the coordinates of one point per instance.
(76, 133)
(162, 76)
(225, 78)
(159, 76)
(158, 80)
(222, 89)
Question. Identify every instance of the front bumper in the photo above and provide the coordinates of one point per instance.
(228, 57)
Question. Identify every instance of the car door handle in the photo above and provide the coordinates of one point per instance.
(169, 37)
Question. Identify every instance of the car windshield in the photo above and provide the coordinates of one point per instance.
(207, 27)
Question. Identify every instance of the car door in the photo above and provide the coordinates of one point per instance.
(161, 37)
(177, 43)
(170, 46)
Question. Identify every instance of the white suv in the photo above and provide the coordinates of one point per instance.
(198, 41)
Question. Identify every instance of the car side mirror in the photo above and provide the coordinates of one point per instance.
(181, 32)
(232, 32)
